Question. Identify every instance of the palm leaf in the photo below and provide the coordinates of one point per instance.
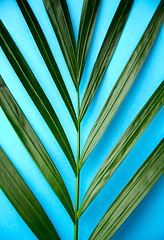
(106, 53)
(124, 82)
(124, 145)
(47, 55)
(60, 19)
(29, 208)
(133, 193)
(34, 146)
(35, 91)
(75, 56)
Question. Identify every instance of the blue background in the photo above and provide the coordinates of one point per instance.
(147, 221)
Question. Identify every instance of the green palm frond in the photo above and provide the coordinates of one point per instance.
(100, 165)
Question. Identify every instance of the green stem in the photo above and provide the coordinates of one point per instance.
(78, 173)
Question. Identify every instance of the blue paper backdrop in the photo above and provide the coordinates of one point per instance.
(147, 220)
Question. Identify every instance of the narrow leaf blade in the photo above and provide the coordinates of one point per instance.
(87, 23)
(106, 52)
(34, 146)
(124, 82)
(124, 145)
(47, 55)
(24, 201)
(35, 91)
(58, 13)
(133, 193)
